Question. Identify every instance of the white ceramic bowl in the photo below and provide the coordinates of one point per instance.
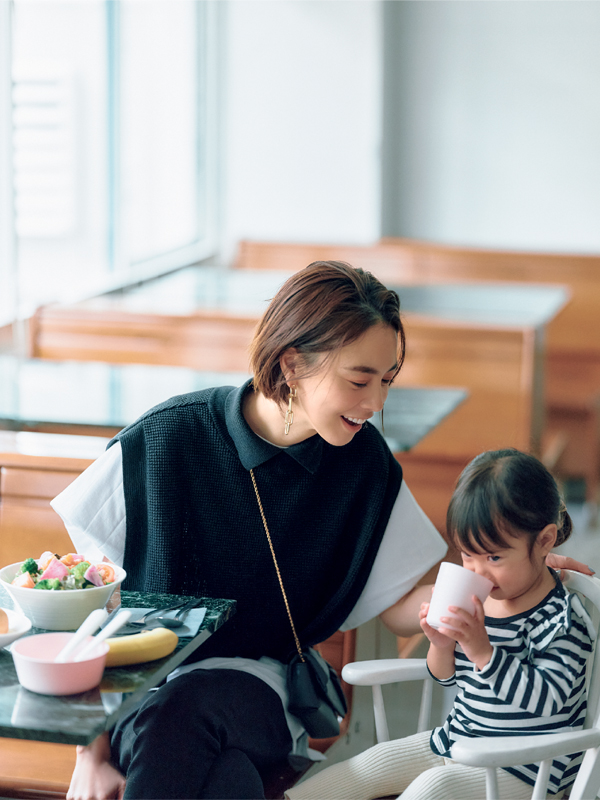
(57, 610)
(34, 661)
(17, 626)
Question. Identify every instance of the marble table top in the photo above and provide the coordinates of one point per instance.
(80, 718)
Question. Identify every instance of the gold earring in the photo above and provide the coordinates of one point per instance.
(289, 414)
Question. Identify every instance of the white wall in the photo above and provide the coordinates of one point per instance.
(492, 132)
(301, 132)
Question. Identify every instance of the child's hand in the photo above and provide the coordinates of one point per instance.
(469, 631)
(436, 638)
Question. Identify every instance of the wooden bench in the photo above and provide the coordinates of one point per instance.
(383, 260)
(35, 770)
(28, 524)
(575, 330)
(209, 341)
(573, 337)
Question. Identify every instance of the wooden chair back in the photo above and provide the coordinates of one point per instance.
(28, 524)
(208, 341)
(401, 261)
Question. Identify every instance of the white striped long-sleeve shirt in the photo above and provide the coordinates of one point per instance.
(533, 683)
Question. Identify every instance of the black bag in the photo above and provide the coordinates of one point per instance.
(315, 694)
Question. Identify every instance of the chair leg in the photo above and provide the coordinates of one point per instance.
(424, 722)
(540, 789)
(491, 784)
(381, 726)
(588, 777)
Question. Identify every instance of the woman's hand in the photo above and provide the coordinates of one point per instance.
(94, 777)
(469, 631)
(555, 561)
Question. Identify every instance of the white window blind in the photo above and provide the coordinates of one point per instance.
(112, 150)
(45, 143)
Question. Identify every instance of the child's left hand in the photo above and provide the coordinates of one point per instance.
(434, 636)
(469, 631)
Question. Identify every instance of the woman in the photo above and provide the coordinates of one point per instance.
(173, 500)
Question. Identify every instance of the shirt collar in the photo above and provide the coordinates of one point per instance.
(254, 451)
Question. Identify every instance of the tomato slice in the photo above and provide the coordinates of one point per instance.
(107, 572)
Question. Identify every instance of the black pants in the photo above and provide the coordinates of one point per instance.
(205, 734)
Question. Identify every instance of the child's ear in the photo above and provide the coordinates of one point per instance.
(546, 538)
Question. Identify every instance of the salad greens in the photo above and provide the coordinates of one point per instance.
(51, 572)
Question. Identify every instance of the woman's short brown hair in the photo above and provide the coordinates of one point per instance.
(319, 309)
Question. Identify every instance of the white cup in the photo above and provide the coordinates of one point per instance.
(455, 586)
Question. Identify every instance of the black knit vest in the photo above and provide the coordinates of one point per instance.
(194, 527)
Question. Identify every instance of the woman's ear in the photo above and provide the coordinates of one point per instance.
(288, 362)
(546, 538)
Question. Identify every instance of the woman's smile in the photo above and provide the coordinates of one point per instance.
(353, 422)
(357, 380)
(337, 397)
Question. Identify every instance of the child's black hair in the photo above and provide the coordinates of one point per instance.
(502, 493)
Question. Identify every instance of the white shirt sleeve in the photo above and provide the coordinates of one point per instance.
(93, 508)
(411, 545)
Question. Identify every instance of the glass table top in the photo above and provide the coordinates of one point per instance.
(248, 292)
(94, 397)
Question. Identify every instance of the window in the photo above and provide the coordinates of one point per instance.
(113, 150)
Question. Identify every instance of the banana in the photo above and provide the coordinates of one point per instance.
(145, 646)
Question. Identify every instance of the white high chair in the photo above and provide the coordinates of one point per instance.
(505, 751)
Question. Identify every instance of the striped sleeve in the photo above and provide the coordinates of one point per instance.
(442, 681)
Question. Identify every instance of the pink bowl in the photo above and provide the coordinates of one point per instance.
(34, 661)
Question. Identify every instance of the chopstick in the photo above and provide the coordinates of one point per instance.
(89, 625)
(107, 631)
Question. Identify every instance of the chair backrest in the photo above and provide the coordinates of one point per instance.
(588, 589)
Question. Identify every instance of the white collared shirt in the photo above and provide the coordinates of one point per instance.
(93, 510)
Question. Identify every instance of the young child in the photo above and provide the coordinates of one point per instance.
(519, 661)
